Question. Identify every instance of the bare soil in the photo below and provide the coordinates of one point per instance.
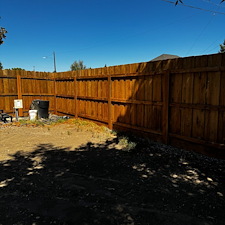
(26, 139)
(66, 175)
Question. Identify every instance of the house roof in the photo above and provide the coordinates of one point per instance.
(164, 57)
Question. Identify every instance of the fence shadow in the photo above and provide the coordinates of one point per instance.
(98, 184)
(176, 101)
(143, 110)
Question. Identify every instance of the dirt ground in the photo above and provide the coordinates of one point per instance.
(63, 174)
(26, 139)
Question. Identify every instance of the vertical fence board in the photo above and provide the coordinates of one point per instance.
(175, 120)
(149, 89)
(148, 117)
(134, 114)
(200, 82)
(165, 113)
(222, 89)
(157, 88)
(109, 86)
(75, 97)
(213, 90)
(176, 91)
(187, 88)
(221, 128)
(198, 124)
(211, 125)
(186, 122)
(19, 91)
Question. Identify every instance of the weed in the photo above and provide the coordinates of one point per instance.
(38, 123)
(22, 122)
(125, 144)
(34, 123)
(83, 125)
(114, 133)
(58, 121)
(41, 122)
(79, 122)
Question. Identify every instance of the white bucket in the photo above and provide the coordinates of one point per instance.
(33, 114)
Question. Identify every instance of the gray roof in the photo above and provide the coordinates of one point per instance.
(164, 57)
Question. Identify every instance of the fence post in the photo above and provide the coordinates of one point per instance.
(166, 99)
(55, 91)
(19, 90)
(75, 96)
(110, 125)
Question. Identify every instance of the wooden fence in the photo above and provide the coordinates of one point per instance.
(179, 102)
(15, 84)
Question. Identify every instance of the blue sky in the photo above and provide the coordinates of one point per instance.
(111, 32)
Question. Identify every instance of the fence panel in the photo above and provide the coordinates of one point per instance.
(92, 97)
(137, 101)
(65, 105)
(195, 105)
(30, 86)
(65, 95)
(8, 90)
(179, 100)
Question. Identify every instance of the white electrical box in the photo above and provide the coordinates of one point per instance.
(18, 104)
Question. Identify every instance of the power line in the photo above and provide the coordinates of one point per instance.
(216, 47)
(194, 7)
(122, 38)
(200, 34)
(204, 28)
(212, 46)
(213, 3)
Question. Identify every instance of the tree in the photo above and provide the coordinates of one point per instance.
(222, 47)
(1, 67)
(17, 68)
(78, 65)
(3, 31)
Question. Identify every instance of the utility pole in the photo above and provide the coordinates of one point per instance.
(54, 62)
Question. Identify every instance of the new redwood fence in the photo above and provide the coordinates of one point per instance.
(179, 101)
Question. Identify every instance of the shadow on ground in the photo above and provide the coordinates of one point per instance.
(97, 184)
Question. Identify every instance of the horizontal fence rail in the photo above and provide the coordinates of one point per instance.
(179, 101)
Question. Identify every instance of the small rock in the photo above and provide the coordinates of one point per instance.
(209, 179)
(220, 194)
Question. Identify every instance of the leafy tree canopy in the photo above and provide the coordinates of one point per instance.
(17, 68)
(222, 47)
(78, 65)
(3, 31)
